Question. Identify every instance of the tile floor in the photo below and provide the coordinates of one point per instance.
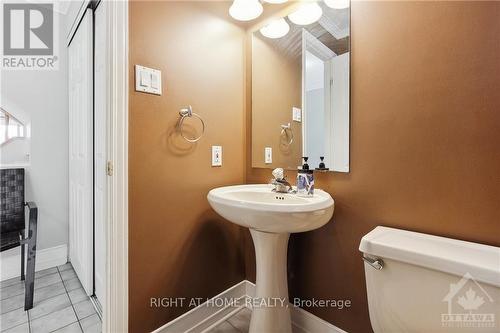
(60, 304)
(240, 323)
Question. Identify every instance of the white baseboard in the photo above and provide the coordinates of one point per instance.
(204, 317)
(10, 260)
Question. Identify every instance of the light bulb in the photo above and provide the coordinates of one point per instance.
(306, 14)
(275, 1)
(276, 29)
(245, 10)
(337, 4)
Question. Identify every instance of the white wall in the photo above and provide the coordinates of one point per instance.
(315, 140)
(42, 97)
(315, 109)
(340, 112)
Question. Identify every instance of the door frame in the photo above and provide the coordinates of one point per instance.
(115, 312)
(115, 318)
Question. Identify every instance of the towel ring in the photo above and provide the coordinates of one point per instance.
(187, 113)
(284, 129)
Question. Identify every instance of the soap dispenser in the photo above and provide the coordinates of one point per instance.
(322, 166)
(305, 180)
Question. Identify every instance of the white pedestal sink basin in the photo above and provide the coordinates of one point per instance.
(271, 217)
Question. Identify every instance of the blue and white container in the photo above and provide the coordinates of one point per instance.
(305, 181)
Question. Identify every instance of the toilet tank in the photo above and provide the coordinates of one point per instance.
(422, 283)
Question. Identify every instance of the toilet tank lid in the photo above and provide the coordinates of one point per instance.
(439, 253)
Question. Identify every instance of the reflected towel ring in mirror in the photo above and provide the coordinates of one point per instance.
(188, 113)
(284, 130)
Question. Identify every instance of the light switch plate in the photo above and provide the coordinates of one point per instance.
(268, 155)
(147, 80)
(296, 114)
(216, 156)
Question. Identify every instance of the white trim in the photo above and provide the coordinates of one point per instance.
(316, 47)
(14, 166)
(74, 25)
(45, 258)
(204, 317)
(308, 322)
(115, 317)
(328, 23)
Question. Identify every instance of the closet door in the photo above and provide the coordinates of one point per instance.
(100, 122)
(81, 152)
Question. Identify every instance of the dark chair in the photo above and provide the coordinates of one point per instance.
(12, 225)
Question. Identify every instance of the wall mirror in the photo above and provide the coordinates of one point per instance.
(10, 127)
(300, 92)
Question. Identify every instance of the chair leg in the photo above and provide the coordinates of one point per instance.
(30, 276)
(22, 257)
(29, 286)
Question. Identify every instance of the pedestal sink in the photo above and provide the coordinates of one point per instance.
(271, 217)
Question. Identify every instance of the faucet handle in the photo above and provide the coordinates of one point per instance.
(278, 173)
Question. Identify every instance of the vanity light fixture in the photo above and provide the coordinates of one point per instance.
(276, 29)
(306, 14)
(275, 1)
(245, 10)
(337, 4)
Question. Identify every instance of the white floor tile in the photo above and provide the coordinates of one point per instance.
(48, 292)
(12, 290)
(45, 272)
(47, 280)
(68, 274)
(91, 324)
(77, 295)
(65, 267)
(59, 303)
(23, 328)
(72, 328)
(11, 303)
(72, 284)
(53, 321)
(49, 305)
(84, 309)
(13, 318)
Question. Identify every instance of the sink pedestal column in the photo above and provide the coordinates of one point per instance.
(270, 312)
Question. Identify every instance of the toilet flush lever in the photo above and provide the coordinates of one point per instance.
(374, 262)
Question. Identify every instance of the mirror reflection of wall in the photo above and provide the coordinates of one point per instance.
(315, 104)
(276, 90)
(14, 138)
(301, 78)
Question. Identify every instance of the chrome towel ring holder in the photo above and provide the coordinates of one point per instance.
(188, 113)
(284, 130)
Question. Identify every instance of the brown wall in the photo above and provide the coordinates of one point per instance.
(425, 134)
(276, 88)
(178, 245)
(425, 127)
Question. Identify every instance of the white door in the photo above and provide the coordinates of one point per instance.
(81, 152)
(100, 177)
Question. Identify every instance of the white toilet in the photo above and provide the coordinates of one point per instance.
(425, 284)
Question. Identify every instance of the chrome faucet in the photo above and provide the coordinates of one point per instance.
(281, 185)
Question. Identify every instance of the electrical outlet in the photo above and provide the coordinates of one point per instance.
(216, 155)
(296, 114)
(268, 155)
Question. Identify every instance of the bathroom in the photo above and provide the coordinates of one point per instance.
(410, 195)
